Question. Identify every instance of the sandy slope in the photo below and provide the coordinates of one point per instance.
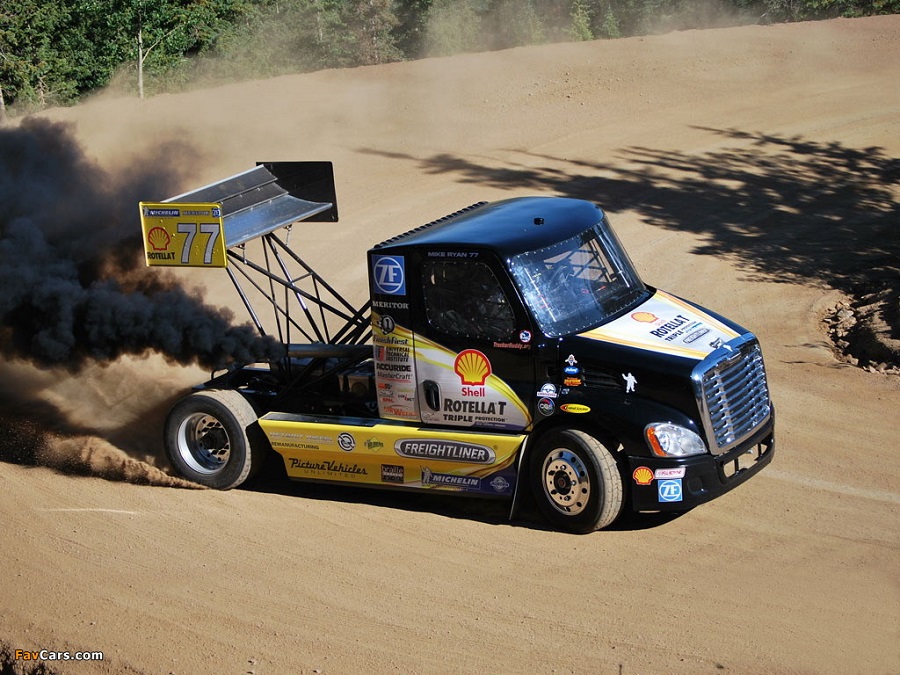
(748, 169)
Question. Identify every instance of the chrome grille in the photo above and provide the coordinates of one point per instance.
(733, 393)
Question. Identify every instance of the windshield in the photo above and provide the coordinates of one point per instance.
(576, 284)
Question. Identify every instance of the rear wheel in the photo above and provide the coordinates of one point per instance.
(576, 481)
(210, 438)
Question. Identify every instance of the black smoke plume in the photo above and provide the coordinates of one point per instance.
(73, 285)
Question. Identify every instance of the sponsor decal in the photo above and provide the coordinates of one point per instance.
(389, 274)
(450, 451)
(525, 336)
(668, 325)
(158, 239)
(373, 444)
(500, 484)
(429, 477)
(286, 439)
(165, 213)
(546, 406)
(386, 324)
(662, 474)
(644, 317)
(630, 382)
(346, 441)
(397, 410)
(329, 467)
(572, 371)
(386, 304)
(510, 345)
(547, 390)
(572, 381)
(394, 368)
(161, 255)
(642, 475)
(472, 367)
(669, 490)
(577, 408)
(571, 360)
(463, 409)
(391, 473)
(696, 335)
(183, 236)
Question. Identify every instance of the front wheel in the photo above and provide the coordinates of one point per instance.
(208, 438)
(576, 481)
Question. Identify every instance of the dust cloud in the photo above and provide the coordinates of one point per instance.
(75, 292)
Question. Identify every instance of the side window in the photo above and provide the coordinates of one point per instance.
(464, 299)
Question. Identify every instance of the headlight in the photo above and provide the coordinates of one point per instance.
(670, 440)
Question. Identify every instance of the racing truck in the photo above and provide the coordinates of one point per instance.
(508, 350)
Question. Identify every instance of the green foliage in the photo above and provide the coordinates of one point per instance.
(581, 21)
(453, 27)
(54, 51)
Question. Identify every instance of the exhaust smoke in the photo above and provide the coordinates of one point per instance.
(75, 294)
(74, 286)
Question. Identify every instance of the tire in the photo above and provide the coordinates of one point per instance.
(575, 481)
(212, 438)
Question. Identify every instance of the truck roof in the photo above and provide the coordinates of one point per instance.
(509, 226)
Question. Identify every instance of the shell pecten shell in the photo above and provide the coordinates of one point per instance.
(158, 239)
(642, 475)
(644, 317)
(472, 367)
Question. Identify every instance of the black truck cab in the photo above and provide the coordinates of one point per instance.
(527, 316)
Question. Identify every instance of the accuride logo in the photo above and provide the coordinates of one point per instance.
(450, 451)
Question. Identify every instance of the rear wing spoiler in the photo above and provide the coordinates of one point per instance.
(197, 228)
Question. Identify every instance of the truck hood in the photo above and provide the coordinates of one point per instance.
(668, 325)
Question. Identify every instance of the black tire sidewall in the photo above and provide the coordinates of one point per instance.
(222, 407)
(589, 518)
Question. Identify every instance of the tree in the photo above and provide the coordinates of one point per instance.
(33, 67)
(453, 27)
(371, 23)
(581, 21)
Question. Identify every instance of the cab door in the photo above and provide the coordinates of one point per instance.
(474, 364)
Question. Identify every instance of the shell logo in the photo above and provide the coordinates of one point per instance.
(642, 475)
(159, 239)
(472, 367)
(645, 317)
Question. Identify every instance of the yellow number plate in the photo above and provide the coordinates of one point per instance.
(183, 235)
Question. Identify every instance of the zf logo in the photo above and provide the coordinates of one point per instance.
(669, 490)
(389, 274)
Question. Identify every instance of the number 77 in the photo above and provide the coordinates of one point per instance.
(192, 230)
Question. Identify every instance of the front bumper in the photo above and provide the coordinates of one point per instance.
(670, 484)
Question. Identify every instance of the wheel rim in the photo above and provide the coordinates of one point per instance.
(203, 443)
(566, 483)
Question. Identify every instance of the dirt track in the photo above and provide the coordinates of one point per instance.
(753, 170)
